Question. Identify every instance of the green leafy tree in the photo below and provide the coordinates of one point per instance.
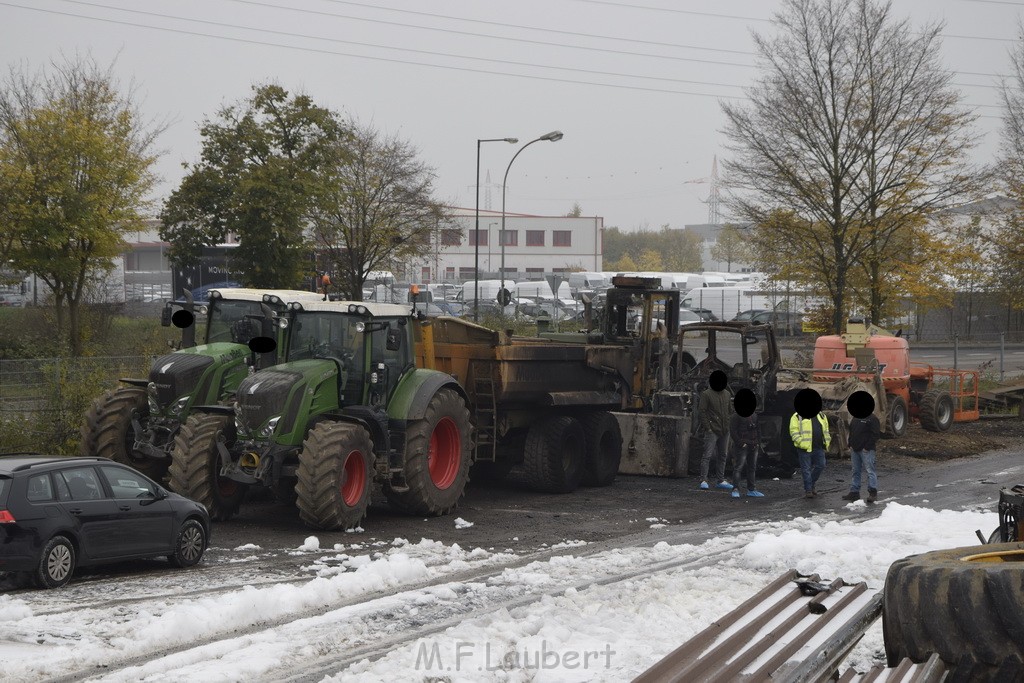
(676, 250)
(855, 131)
(731, 247)
(377, 208)
(1006, 240)
(576, 211)
(75, 172)
(262, 171)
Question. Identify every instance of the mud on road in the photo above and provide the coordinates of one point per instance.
(962, 440)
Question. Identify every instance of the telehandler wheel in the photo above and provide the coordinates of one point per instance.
(936, 410)
(555, 455)
(335, 476)
(195, 465)
(604, 448)
(966, 604)
(897, 417)
(108, 432)
(438, 455)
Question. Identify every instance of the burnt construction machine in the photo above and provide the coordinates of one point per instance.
(136, 424)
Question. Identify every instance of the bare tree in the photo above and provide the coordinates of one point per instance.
(378, 208)
(851, 135)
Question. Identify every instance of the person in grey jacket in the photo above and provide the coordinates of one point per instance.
(713, 411)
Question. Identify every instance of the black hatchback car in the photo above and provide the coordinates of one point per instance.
(60, 513)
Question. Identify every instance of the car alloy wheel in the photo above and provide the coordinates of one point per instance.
(58, 563)
(191, 543)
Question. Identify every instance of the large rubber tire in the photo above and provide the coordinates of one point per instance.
(555, 455)
(335, 476)
(898, 417)
(438, 456)
(604, 448)
(190, 544)
(970, 612)
(56, 563)
(107, 430)
(936, 410)
(195, 465)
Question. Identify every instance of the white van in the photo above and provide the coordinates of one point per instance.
(726, 301)
(538, 289)
(588, 280)
(488, 289)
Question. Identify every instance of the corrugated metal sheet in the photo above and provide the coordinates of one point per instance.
(796, 629)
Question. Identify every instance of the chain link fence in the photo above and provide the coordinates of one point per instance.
(43, 400)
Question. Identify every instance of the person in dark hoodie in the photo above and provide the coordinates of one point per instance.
(713, 413)
(864, 432)
(745, 437)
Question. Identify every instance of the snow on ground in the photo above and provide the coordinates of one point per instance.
(564, 627)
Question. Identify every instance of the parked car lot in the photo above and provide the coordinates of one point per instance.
(57, 514)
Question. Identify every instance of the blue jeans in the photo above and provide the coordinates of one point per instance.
(863, 459)
(812, 464)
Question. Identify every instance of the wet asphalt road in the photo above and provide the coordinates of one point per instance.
(505, 516)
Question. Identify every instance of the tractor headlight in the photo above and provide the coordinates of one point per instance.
(358, 309)
(269, 428)
(360, 327)
(179, 405)
(271, 299)
(203, 310)
(282, 323)
(295, 306)
(154, 405)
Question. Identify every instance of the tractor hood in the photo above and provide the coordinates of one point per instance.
(178, 374)
(273, 392)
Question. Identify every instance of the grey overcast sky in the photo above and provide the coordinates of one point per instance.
(635, 85)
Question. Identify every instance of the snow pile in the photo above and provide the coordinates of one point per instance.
(460, 523)
(311, 544)
(248, 546)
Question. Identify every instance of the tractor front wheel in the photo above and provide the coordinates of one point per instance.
(108, 431)
(604, 448)
(335, 474)
(195, 465)
(438, 455)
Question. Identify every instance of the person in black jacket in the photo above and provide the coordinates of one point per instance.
(864, 432)
(745, 437)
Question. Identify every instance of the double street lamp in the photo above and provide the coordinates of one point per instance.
(476, 234)
(553, 136)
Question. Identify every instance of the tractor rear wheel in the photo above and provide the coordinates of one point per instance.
(335, 476)
(108, 431)
(965, 604)
(438, 455)
(195, 465)
(555, 455)
(936, 412)
(604, 448)
(897, 416)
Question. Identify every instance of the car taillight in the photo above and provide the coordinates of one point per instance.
(6, 517)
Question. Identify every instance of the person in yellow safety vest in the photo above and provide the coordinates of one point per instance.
(809, 430)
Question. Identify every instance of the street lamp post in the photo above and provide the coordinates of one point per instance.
(553, 136)
(476, 234)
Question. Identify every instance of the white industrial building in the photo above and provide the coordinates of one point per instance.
(533, 246)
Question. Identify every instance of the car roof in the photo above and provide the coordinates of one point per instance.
(9, 464)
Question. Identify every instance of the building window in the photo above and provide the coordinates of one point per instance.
(560, 270)
(449, 273)
(534, 270)
(474, 236)
(451, 237)
(535, 238)
(466, 273)
(510, 238)
(425, 273)
(510, 269)
(561, 238)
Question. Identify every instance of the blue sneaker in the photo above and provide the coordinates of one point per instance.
(724, 485)
(703, 486)
(735, 493)
(755, 494)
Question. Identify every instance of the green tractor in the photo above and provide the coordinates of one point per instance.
(136, 424)
(347, 407)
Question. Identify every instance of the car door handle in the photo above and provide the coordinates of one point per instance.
(75, 511)
(124, 508)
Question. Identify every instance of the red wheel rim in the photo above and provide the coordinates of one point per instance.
(355, 478)
(445, 453)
